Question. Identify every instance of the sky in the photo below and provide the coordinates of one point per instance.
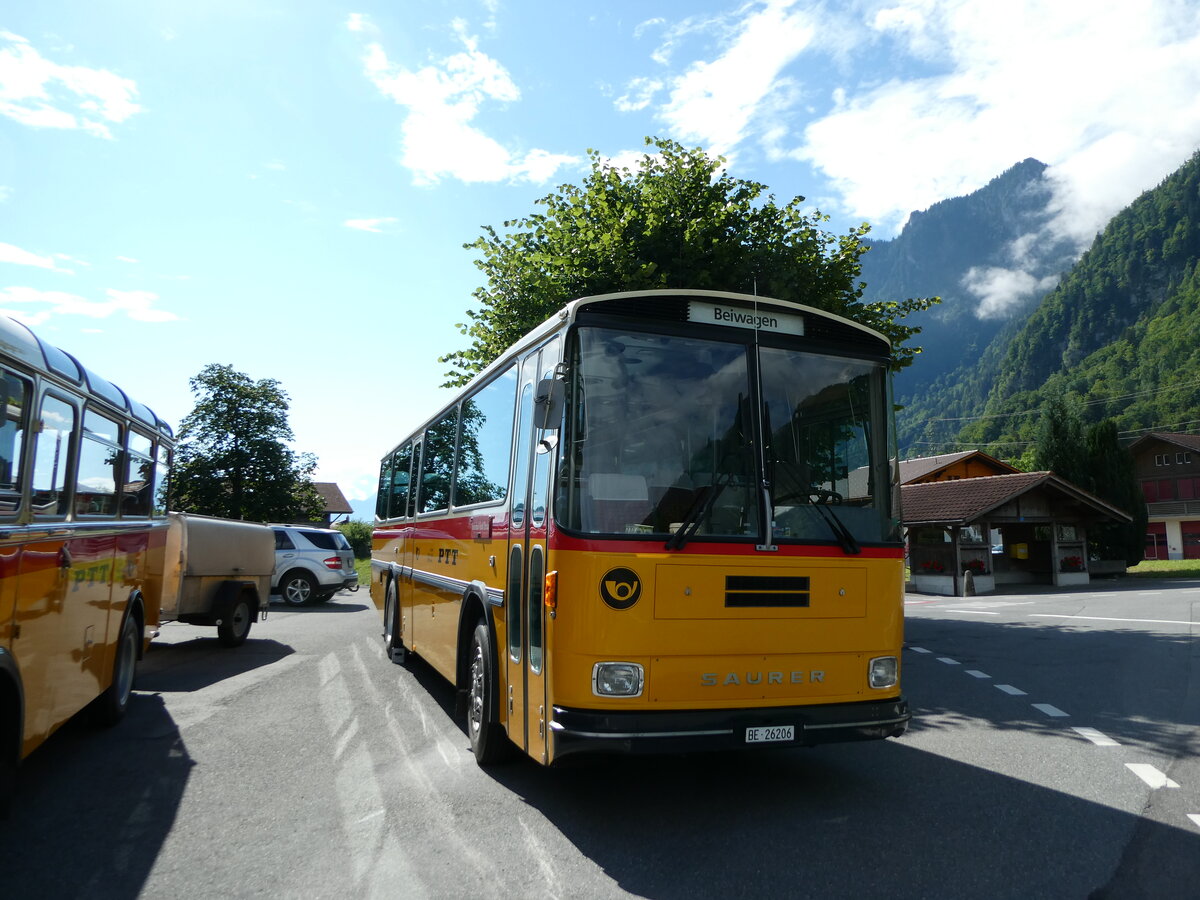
(286, 187)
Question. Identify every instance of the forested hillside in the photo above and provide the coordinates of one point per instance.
(1119, 336)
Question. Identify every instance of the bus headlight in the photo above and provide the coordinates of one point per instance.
(617, 679)
(884, 672)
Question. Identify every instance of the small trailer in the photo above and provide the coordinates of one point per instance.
(217, 572)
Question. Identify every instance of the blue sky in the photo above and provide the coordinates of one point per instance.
(285, 187)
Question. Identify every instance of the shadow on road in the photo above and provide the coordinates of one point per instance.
(195, 664)
(93, 808)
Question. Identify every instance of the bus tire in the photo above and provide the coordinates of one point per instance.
(236, 621)
(113, 703)
(488, 741)
(393, 640)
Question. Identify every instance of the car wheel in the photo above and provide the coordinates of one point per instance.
(297, 588)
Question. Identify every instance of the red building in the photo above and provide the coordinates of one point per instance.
(1168, 471)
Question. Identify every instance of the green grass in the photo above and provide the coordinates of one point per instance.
(1167, 568)
(363, 567)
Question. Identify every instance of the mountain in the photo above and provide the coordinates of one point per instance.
(1120, 335)
(990, 256)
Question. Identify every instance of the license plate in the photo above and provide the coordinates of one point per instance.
(770, 734)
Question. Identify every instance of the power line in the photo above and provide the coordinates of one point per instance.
(1134, 395)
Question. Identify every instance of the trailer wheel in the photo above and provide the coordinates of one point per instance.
(236, 621)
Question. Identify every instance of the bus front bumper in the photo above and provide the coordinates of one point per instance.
(576, 731)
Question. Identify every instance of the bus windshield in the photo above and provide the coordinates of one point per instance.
(662, 436)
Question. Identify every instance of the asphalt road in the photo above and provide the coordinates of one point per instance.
(1055, 752)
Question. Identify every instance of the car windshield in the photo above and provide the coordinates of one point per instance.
(661, 439)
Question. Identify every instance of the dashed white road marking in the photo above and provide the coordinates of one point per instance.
(1151, 775)
(1099, 738)
(1195, 819)
(1053, 711)
(975, 673)
(919, 650)
(973, 612)
(1009, 689)
(948, 661)
(1110, 619)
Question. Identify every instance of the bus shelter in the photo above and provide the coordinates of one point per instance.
(1022, 528)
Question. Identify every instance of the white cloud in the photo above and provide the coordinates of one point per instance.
(1105, 93)
(136, 305)
(439, 137)
(43, 94)
(372, 225)
(717, 101)
(15, 255)
(998, 289)
(127, 259)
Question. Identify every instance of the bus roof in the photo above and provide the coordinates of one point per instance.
(570, 312)
(19, 342)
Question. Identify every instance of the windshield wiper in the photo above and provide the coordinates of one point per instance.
(700, 508)
(839, 529)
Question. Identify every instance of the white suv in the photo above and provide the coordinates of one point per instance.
(311, 564)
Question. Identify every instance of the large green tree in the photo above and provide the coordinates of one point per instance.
(233, 458)
(677, 220)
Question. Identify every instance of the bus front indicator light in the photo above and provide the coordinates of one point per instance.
(617, 679)
(551, 594)
(884, 672)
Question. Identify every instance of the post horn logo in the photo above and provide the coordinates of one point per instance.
(620, 588)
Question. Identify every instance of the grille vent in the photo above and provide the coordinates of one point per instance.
(766, 591)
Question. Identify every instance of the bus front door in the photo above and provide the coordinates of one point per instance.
(528, 714)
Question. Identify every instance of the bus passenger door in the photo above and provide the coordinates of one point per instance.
(529, 714)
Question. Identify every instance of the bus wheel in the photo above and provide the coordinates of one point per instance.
(235, 624)
(393, 641)
(112, 704)
(488, 741)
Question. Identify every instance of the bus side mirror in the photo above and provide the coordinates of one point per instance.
(549, 400)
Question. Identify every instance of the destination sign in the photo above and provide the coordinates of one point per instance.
(739, 317)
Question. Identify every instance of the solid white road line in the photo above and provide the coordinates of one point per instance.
(1009, 689)
(1053, 711)
(1109, 619)
(1151, 775)
(1097, 737)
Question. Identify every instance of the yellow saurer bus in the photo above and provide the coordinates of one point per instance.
(81, 471)
(662, 521)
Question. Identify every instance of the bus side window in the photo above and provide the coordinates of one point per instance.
(383, 494)
(400, 482)
(162, 480)
(13, 429)
(53, 458)
(139, 476)
(437, 465)
(99, 466)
